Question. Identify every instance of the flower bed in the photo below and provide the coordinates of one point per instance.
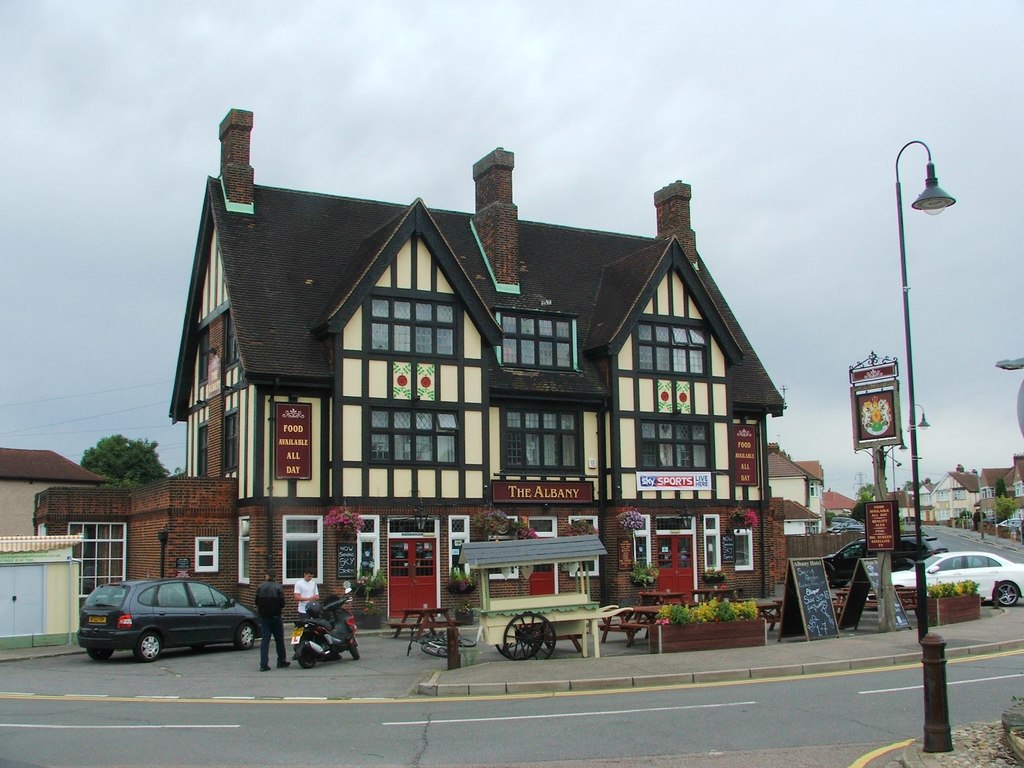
(953, 603)
(711, 625)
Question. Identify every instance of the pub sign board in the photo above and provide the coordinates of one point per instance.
(744, 454)
(876, 415)
(541, 492)
(881, 525)
(293, 440)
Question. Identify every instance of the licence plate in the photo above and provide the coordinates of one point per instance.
(296, 635)
(97, 619)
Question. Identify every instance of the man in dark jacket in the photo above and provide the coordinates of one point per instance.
(269, 602)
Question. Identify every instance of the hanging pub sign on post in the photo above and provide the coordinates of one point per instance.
(875, 403)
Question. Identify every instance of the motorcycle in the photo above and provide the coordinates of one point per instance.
(326, 632)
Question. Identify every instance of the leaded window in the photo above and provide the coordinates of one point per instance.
(532, 341)
(407, 326)
(674, 445)
(543, 439)
(671, 349)
(398, 436)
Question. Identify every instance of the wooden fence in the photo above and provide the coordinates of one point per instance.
(819, 544)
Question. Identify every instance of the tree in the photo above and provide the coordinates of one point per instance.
(1004, 507)
(124, 463)
(865, 494)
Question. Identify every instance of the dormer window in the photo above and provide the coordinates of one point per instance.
(537, 341)
(674, 349)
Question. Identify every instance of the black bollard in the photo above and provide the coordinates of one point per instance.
(454, 659)
(937, 737)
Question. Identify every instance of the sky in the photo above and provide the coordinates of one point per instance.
(786, 119)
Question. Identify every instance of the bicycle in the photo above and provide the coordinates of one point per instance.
(434, 644)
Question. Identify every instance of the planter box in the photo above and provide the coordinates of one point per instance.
(672, 638)
(953, 610)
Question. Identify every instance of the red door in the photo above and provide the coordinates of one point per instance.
(542, 580)
(412, 574)
(675, 563)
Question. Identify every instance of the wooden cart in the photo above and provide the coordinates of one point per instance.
(525, 626)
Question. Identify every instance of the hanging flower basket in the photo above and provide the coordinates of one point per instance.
(492, 522)
(644, 575)
(631, 521)
(460, 582)
(713, 576)
(343, 520)
(744, 518)
(370, 584)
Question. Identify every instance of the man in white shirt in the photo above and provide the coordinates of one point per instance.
(306, 592)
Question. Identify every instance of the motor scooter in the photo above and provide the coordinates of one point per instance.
(326, 632)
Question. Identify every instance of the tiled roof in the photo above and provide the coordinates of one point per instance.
(21, 464)
(812, 468)
(967, 480)
(303, 258)
(792, 510)
(833, 500)
(781, 466)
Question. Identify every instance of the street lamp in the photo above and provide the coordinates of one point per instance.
(1016, 365)
(932, 201)
(923, 423)
(937, 737)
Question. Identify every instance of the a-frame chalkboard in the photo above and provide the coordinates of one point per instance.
(866, 579)
(807, 603)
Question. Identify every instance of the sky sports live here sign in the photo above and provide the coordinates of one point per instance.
(881, 526)
(673, 481)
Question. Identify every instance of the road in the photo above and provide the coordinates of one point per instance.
(49, 716)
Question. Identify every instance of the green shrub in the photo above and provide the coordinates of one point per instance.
(953, 589)
(708, 612)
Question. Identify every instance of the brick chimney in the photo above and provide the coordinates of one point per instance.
(235, 172)
(673, 206)
(497, 218)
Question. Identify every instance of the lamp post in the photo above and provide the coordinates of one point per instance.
(937, 736)
(1016, 365)
(932, 201)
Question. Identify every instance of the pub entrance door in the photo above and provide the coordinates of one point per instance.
(675, 562)
(542, 580)
(412, 574)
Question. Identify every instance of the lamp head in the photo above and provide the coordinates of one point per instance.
(923, 424)
(934, 200)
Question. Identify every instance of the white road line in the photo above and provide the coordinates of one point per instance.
(43, 726)
(601, 713)
(956, 682)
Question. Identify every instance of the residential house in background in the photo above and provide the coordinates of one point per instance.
(799, 482)
(834, 503)
(23, 474)
(954, 495)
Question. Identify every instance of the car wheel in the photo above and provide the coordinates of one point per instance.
(1006, 594)
(100, 654)
(149, 647)
(245, 636)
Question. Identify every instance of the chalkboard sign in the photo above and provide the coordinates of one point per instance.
(346, 559)
(867, 578)
(728, 548)
(807, 603)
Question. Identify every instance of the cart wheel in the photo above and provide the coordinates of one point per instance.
(527, 635)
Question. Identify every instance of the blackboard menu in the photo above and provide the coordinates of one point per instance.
(807, 602)
(867, 578)
(346, 559)
(728, 548)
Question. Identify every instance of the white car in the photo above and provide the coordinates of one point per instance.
(999, 579)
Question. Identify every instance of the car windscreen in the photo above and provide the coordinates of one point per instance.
(107, 596)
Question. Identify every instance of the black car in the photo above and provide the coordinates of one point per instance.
(839, 565)
(149, 615)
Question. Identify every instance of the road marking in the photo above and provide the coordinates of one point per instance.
(955, 682)
(112, 727)
(864, 760)
(601, 713)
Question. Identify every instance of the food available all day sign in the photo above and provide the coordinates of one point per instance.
(293, 439)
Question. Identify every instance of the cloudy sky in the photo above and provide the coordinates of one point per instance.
(786, 120)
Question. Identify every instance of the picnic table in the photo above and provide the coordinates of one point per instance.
(418, 620)
(630, 621)
(770, 611)
(660, 596)
(710, 593)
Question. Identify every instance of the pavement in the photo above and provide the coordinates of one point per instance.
(386, 670)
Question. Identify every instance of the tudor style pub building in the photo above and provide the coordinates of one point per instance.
(423, 367)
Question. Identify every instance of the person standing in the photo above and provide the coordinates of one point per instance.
(306, 592)
(269, 604)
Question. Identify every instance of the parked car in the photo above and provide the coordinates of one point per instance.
(149, 615)
(1013, 524)
(840, 564)
(999, 580)
(843, 524)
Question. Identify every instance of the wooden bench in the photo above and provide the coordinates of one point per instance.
(616, 624)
